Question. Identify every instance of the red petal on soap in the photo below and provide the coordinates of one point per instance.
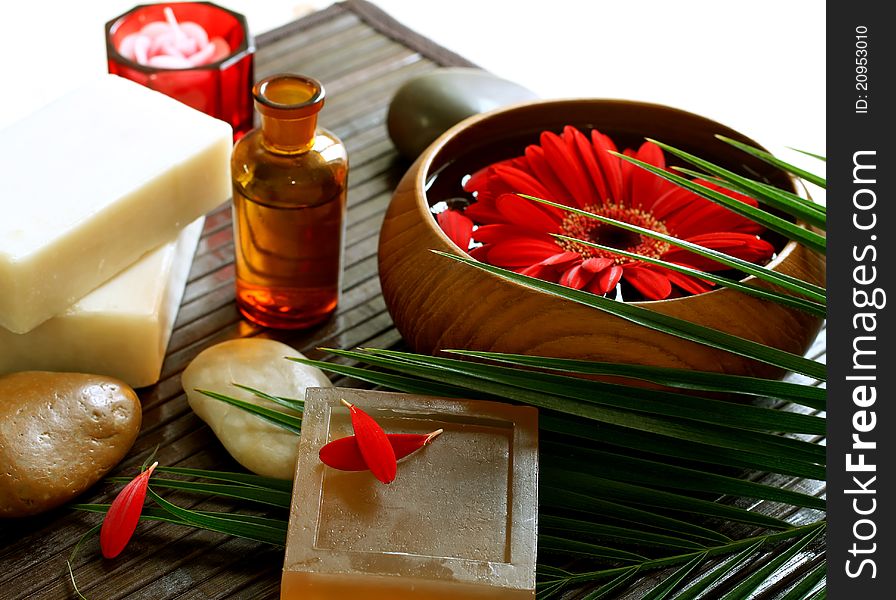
(123, 515)
(373, 444)
(345, 455)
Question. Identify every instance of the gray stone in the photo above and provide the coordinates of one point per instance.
(426, 106)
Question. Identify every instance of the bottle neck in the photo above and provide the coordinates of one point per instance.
(288, 136)
(288, 106)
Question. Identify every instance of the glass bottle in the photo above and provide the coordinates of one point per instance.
(289, 188)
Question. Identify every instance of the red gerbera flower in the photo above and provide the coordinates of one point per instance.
(570, 169)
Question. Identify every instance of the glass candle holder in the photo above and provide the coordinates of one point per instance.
(222, 89)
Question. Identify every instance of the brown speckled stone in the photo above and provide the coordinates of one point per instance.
(59, 434)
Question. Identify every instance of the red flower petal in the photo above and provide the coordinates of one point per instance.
(484, 211)
(567, 168)
(123, 515)
(373, 444)
(690, 284)
(653, 285)
(740, 245)
(526, 213)
(551, 268)
(545, 174)
(517, 181)
(606, 280)
(456, 226)
(576, 278)
(596, 265)
(580, 145)
(502, 232)
(344, 454)
(645, 186)
(609, 165)
(520, 252)
(480, 253)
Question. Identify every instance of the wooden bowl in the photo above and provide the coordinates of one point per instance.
(439, 304)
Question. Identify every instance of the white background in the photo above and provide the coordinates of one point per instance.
(757, 66)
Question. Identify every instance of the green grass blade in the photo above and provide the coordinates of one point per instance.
(664, 475)
(729, 566)
(287, 422)
(283, 485)
(624, 535)
(660, 322)
(787, 282)
(808, 306)
(230, 526)
(807, 153)
(666, 587)
(772, 222)
(745, 589)
(652, 402)
(806, 395)
(772, 160)
(550, 543)
(290, 403)
(767, 194)
(277, 498)
(717, 435)
(803, 589)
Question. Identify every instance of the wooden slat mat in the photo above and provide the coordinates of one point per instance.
(362, 56)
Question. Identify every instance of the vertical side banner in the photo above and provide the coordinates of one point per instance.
(861, 254)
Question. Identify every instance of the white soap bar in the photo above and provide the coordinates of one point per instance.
(120, 329)
(94, 181)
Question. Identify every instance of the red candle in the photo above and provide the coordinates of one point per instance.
(196, 52)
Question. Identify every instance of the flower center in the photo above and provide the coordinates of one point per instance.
(586, 228)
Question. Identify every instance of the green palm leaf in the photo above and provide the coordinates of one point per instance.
(772, 160)
(717, 435)
(745, 589)
(774, 223)
(764, 192)
(806, 395)
(787, 282)
(270, 483)
(787, 202)
(664, 590)
(729, 566)
(813, 308)
(660, 322)
(289, 422)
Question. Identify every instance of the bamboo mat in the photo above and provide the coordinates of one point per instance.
(361, 55)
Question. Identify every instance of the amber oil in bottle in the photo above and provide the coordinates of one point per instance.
(289, 188)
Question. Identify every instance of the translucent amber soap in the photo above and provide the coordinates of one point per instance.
(458, 522)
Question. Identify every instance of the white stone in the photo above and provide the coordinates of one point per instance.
(121, 329)
(92, 182)
(258, 445)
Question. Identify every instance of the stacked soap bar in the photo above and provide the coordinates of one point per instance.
(102, 186)
(94, 181)
(458, 522)
(120, 329)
